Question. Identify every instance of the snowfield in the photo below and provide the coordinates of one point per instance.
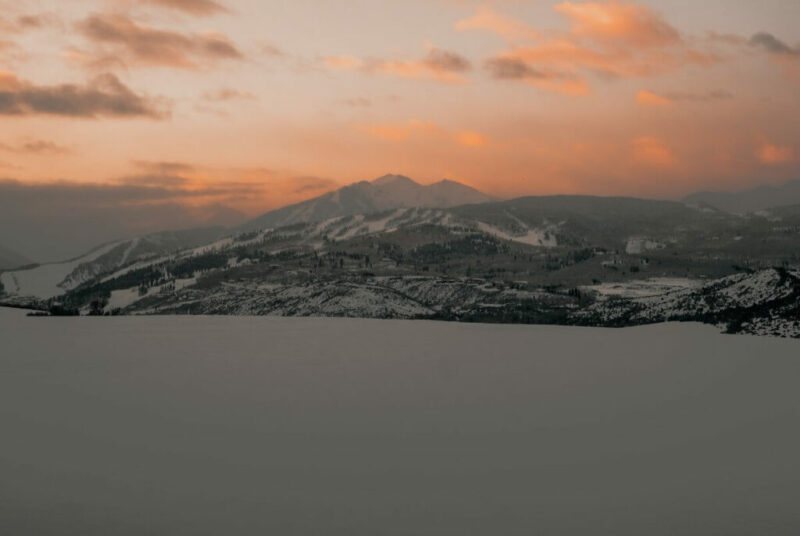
(266, 425)
(532, 237)
(636, 246)
(46, 280)
(655, 286)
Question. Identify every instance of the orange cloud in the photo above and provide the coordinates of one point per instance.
(344, 62)
(612, 38)
(774, 155)
(652, 151)
(471, 139)
(486, 18)
(648, 98)
(619, 23)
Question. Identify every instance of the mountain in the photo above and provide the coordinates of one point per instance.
(562, 260)
(11, 259)
(53, 279)
(753, 200)
(385, 193)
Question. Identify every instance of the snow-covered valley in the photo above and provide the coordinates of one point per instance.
(199, 426)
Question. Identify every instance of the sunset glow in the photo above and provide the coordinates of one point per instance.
(250, 105)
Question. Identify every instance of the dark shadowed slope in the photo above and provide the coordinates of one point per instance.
(385, 193)
(753, 200)
(597, 221)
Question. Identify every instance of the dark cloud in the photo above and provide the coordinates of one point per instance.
(38, 21)
(131, 190)
(25, 23)
(139, 44)
(30, 21)
(726, 39)
(271, 50)
(511, 67)
(309, 184)
(35, 147)
(508, 68)
(164, 168)
(193, 7)
(442, 65)
(443, 60)
(59, 220)
(218, 47)
(153, 187)
(103, 96)
(773, 45)
(155, 181)
(683, 96)
(228, 94)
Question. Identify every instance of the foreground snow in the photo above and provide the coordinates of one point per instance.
(245, 425)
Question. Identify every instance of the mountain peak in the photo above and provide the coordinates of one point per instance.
(391, 179)
(384, 193)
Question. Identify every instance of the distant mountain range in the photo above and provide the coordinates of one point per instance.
(753, 200)
(393, 248)
(386, 193)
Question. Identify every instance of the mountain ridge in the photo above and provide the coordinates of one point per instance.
(750, 200)
(388, 192)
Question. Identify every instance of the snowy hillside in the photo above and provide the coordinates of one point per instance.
(53, 279)
(766, 302)
(48, 280)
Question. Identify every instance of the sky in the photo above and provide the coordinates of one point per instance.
(206, 111)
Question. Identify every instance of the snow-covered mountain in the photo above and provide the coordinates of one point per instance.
(385, 193)
(45, 281)
(526, 260)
